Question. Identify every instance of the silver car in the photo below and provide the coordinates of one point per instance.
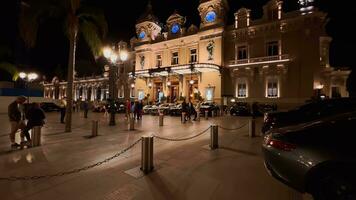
(318, 157)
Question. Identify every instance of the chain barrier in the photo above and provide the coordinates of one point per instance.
(232, 129)
(182, 139)
(74, 171)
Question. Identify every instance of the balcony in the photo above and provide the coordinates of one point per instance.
(259, 60)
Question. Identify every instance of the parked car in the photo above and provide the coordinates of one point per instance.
(49, 106)
(263, 108)
(175, 110)
(210, 107)
(240, 109)
(317, 157)
(146, 109)
(307, 112)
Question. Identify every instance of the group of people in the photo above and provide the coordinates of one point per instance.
(189, 109)
(134, 107)
(76, 107)
(18, 114)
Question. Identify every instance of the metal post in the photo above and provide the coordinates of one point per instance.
(94, 128)
(183, 117)
(206, 114)
(131, 122)
(147, 154)
(214, 137)
(161, 116)
(36, 136)
(252, 127)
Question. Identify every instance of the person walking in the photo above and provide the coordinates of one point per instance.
(15, 119)
(139, 109)
(184, 110)
(128, 108)
(63, 105)
(35, 117)
(197, 110)
(86, 108)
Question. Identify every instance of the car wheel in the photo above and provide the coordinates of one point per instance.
(334, 187)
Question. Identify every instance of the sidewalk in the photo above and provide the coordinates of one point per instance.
(183, 170)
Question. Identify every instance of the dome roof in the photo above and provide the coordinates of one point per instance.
(148, 15)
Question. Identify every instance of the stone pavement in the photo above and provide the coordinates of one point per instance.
(183, 170)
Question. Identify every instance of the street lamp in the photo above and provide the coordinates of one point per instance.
(28, 77)
(114, 58)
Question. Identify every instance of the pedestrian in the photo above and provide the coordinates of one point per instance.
(128, 108)
(86, 108)
(134, 109)
(74, 105)
(254, 109)
(63, 106)
(15, 116)
(197, 109)
(184, 111)
(35, 117)
(140, 109)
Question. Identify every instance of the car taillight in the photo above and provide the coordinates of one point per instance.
(278, 144)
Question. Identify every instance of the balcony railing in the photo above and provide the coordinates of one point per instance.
(259, 60)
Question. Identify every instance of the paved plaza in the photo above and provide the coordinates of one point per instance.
(183, 170)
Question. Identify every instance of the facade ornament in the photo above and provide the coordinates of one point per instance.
(210, 49)
(142, 61)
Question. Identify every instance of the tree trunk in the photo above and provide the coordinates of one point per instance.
(70, 78)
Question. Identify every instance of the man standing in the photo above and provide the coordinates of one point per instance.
(35, 116)
(86, 108)
(63, 105)
(16, 122)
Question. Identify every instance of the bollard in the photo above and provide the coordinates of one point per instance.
(147, 154)
(183, 118)
(206, 114)
(161, 116)
(131, 122)
(214, 137)
(36, 136)
(94, 128)
(252, 127)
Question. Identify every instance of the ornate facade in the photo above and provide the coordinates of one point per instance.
(282, 57)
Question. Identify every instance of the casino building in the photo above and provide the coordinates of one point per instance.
(282, 57)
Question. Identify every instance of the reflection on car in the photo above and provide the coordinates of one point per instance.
(317, 157)
(310, 111)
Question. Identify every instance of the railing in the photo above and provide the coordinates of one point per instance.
(258, 60)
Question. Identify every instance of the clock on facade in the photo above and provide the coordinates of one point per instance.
(142, 35)
(210, 16)
(175, 28)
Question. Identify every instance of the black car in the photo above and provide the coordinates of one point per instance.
(210, 107)
(240, 109)
(308, 112)
(317, 157)
(49, 107)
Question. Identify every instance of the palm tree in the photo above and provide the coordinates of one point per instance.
(78, 20)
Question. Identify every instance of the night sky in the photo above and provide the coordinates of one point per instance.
(50, 54)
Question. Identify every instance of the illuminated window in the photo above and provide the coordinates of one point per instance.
(142, 35)
(241, 90)
(272, 88)
(175, 28)
(210, 16)
(242, 52)
(272, 48)
(175, 58)
(159, 60)
(193, 55)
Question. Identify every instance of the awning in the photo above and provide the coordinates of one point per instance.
(178, 69)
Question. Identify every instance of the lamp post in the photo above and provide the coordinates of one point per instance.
(115, 58)
(28, 77)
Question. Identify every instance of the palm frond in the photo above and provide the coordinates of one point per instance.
(10, 68)
(95, 16)
(90, 33)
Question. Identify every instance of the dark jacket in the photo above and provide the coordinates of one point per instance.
(13, 112)
(36, 117)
